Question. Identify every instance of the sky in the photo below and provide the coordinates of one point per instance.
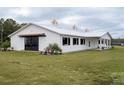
(93, 18)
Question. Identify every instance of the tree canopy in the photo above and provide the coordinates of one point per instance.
(9, 26)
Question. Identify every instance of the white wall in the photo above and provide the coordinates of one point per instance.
(49, 39)
(106, 36)
(71, 47)
(93, 43)
(18, 42)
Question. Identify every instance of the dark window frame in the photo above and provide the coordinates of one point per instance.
(82, 41)
(75, 41)
(102, 41)
(66, 41)
(98, 41)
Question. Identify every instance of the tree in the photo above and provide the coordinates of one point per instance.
(1, 29)
(10, 26)
(5, 45)
(7, 27)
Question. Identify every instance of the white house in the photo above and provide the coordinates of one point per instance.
(35, 37)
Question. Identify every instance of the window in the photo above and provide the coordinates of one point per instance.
(66, 41)
(82, 41)
(75, 41)
(99, 42)
(102, 41)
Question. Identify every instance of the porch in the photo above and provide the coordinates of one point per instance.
(104, 44)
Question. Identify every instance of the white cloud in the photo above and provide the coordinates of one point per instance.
(45, 22)
(122, 25)
(94, 18)
(21, 11)
(71, 19)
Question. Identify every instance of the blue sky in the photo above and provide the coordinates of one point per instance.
(95, 19)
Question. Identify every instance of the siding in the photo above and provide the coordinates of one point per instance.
(18, 42)
(71, 47)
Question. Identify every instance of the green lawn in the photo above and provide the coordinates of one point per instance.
(84, 67)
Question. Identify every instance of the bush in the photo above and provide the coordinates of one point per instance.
(5, 45)
(112, 47)
(53, 49)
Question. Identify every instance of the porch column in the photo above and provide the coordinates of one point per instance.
(103, 41)
(109, 43)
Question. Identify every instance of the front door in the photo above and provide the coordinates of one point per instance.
(31, 43)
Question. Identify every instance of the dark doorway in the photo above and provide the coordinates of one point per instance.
(89, 43)
(31, 43)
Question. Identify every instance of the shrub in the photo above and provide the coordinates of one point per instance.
(112, 47)
(5, 45)
(53, 49)
(56, 48)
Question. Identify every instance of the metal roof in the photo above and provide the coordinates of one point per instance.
(64, 31)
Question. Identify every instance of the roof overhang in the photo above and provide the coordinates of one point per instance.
(107, 34)
(34, 34)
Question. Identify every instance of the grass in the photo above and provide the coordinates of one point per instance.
(84, 67)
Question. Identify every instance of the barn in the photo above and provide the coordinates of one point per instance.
(37, 37)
